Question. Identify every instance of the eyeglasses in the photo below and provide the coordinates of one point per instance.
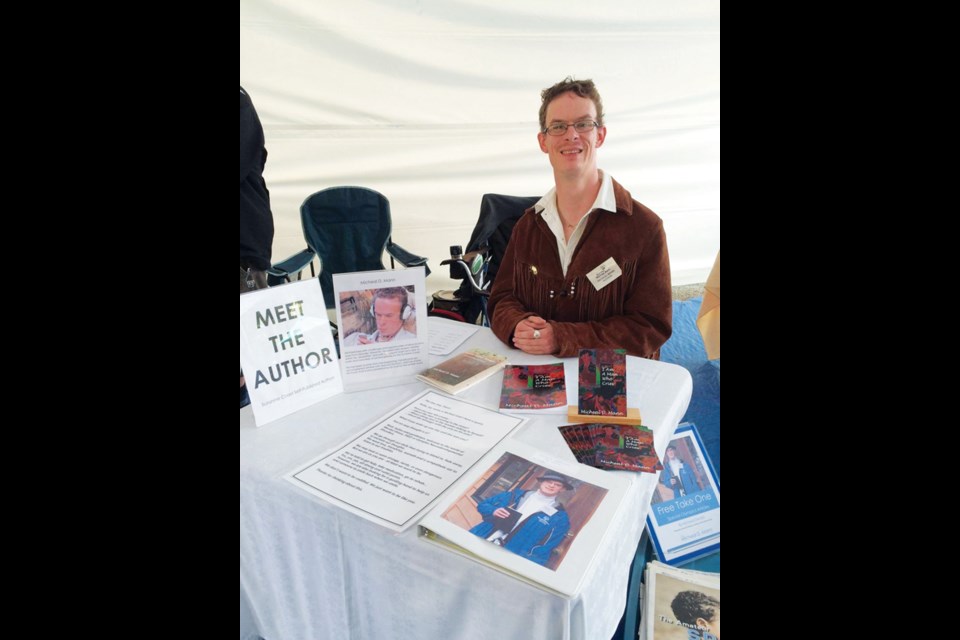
(560, 128)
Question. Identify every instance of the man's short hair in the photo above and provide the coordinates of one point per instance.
(690, 605)
(583, 88)
(398, 293)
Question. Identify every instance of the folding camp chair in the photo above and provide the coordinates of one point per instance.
(479, 265)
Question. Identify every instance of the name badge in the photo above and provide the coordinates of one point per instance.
(607, 272)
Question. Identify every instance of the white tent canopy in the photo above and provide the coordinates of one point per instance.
(434, 103)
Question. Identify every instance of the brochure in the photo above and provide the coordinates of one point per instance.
(684, 520)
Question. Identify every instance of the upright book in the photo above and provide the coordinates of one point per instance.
(533, 387)
(463, 370)
(602, 382)
(529, 515)
(684, 520)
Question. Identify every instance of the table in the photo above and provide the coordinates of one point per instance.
(311, 571)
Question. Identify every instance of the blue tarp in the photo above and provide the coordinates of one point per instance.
(685, 348)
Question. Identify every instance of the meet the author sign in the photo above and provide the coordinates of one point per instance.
(286, 349)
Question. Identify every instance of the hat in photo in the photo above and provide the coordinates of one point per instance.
(555, 477)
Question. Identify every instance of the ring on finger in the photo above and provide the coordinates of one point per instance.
(536, 334)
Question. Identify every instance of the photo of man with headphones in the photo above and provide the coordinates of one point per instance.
(390, 309)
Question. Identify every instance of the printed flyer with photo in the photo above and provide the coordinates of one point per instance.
(684, 520)
(384, 335)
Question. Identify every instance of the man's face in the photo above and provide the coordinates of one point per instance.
(572, 153)
(387, 312)
(551, 487)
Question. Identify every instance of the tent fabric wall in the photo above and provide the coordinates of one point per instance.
(435, 102)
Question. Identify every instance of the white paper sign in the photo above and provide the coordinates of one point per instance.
(398, 466)
(447, 335)
(382, 317)
(286, 349)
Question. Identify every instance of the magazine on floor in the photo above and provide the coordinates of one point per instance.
(679, 604)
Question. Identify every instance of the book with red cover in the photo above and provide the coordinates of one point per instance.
(602, 389)
(533, 387)
(625, 447)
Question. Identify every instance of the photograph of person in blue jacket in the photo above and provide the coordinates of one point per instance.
(678, 475)
(526, 522)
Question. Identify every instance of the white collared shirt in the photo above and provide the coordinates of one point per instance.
(675, 466)
(535, 502)
(547, 207)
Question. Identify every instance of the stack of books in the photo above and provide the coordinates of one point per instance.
(613, 446)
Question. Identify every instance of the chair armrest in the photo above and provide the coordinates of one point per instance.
(291, 266)
(406, 258)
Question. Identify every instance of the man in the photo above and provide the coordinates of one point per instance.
(587, 265)
(256, 219)
(698, 610)
(390, 308)
(535, 521)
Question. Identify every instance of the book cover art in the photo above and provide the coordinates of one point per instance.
(685, 605)
(532, 387)
(625, 447)
(463, 370)
(602, 389)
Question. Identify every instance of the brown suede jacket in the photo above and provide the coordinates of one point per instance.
(633, 312)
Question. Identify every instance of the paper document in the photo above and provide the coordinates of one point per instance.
(447, 335)
(383, 339)
(399, 465)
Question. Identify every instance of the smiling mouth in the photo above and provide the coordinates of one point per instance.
(571, 151)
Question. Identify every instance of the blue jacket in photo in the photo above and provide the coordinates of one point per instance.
(535, 537)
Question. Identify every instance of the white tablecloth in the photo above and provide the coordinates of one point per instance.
(311, 571)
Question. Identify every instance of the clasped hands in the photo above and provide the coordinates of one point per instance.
(535, 335)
